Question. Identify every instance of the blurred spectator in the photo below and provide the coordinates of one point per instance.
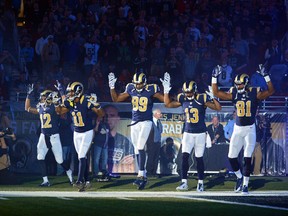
(189, 66)
(240, 44)
(70, 54)
(157, 56)
(273, 54)
(225, 78)
(50, 56)
(167, 157)
(27, 54)
(91, 56)
(229, 127)
(216, 131)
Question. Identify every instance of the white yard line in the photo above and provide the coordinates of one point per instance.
(125, 195)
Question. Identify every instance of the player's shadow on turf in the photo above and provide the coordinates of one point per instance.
(219, 180)
(260, 182)
(117, 183)
(169, 180)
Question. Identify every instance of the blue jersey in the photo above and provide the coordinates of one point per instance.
(246, 105)
(81, 113)
(194, 111)
(142, 102)
(49, 119)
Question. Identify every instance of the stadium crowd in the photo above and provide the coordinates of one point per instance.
(44, 41)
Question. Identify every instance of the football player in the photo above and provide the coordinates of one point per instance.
(142, 95)
(195, 131)
(49, 137)
(245, 100)
(81, 107)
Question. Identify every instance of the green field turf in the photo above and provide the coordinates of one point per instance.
(181, 205)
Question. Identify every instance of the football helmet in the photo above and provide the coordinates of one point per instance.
(45, 97)
(189, 89)
(241, 82)
(74, 90)
(139, 81)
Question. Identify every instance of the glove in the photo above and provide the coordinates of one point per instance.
(93, 99)
(217, 71)
(56, 100)
(30, 89)
(59, 87)
(210, 92)
(262, 70)
(8, 131)
(112, 80)
(166, 83)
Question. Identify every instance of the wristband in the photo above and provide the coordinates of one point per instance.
(267, 78)
(214, 80)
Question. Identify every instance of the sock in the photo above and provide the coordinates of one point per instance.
(45, 179)
(245, 180)
(184, 180)
(238, 174)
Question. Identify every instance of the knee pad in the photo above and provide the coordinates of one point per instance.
(234, 164)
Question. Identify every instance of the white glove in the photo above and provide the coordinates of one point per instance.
(262, 70)
(217, 71)
(210, 92)
(59, 87)
(93, 99)
(112, 80)
(166, 83)
(30, 89)
(56, 100)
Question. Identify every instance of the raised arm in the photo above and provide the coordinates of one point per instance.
(265, 94)
(28, 107)
(216, 92)
(167, 87)
(214, 104)
(114, 95)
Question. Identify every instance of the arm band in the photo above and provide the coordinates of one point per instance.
(214, 80)
(267, 78)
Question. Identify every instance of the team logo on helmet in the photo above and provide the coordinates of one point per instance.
(189, 89)
(74, 90)
(242, 79)
(138, 79)
(45, 97)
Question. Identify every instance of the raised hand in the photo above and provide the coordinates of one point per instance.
(217, 71)
(59, 87)
(166, 83)
(210, 92)
(262, 70)
(93, 99)
(30, 89)
(112, 80)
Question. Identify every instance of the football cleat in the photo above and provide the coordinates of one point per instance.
(140, 182)
(245, 190)
(182, 187)
(45, 184)
(200, 187)
(238, 186)
(143, 183)
(87, 185)
(80, 186)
